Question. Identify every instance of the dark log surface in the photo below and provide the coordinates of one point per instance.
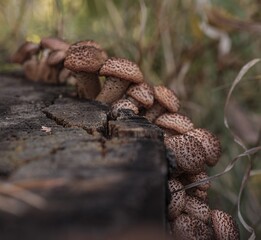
(88, 178)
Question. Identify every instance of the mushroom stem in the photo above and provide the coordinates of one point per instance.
(88, 85)
(113, 89)
(155, 111)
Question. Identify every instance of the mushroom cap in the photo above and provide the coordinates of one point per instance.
(200, 194)
(197, 177)
(56, 57)
(166, 98)
(54, 43)
(89, 43)
(177, 200)
(224, 225)
(24, 52)
(123, 104)
(197, 208)
(210, 143)
(186, 227)
(190, 154)
(175, 121)
(84, 59)
(123, 69)
(142, 93)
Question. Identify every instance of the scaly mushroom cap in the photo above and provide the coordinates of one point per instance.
(56, 57)
(197, 208)
(123, 69)
(210, 142)
(224, 226)
(24, 52)
(89, 43)
(189, 153)
(123, 104)
(84, 59)
(178, 199)
(198, 177)
(175, 121)
(142, 93)
(54, 43)
(200, 194)
(186, 227)
(166, 98)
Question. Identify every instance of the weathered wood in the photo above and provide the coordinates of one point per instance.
(95, 178)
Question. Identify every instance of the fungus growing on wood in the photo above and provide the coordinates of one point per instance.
(85, 61)
(141, 95)
(174, 122)
(210, 143)
(224, 226)
(119, 73)
(177, 200)
(189, 153)
(197, 208)
(123, 104)
(165, 99)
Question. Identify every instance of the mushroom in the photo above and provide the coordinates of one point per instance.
(84, 62)
(26, 55)
(210, 143)
(189, 153)
(141, 95)
(197, 208)
(177, 199)
(165, 99)
(224, 226)
(123, 104)
(53, 43)
(198, 177)
(200, 194)
(119, 73)
(174, 123)
(186, 227)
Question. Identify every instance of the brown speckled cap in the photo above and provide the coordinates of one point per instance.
(84, 59)
(175, 121)
(123, 104)
(54, 43)
(210, 143)
(123, 69)
(177, 200)
(224, 226)
(24, 52)
(186, 227)
(197, 177)
(166, 98)
(197, 208)
(190, 154)
(142, 93)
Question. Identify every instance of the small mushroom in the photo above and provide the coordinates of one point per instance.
(189, 153)
(53, 43)
(141, 95)
(165, 99)
(123, 104)
(119, 73)
(198, 177)
(174, 122)
(25, 52)
(56, 57)
(197, 208)
(200, 194)
(210, 143)
(224, 226)
(186, 227)
(177, 200)
(84, 62)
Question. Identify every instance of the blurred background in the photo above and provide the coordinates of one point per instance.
(195, 47)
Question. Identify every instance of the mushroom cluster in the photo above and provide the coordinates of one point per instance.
(190, 150)
(43, 62)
